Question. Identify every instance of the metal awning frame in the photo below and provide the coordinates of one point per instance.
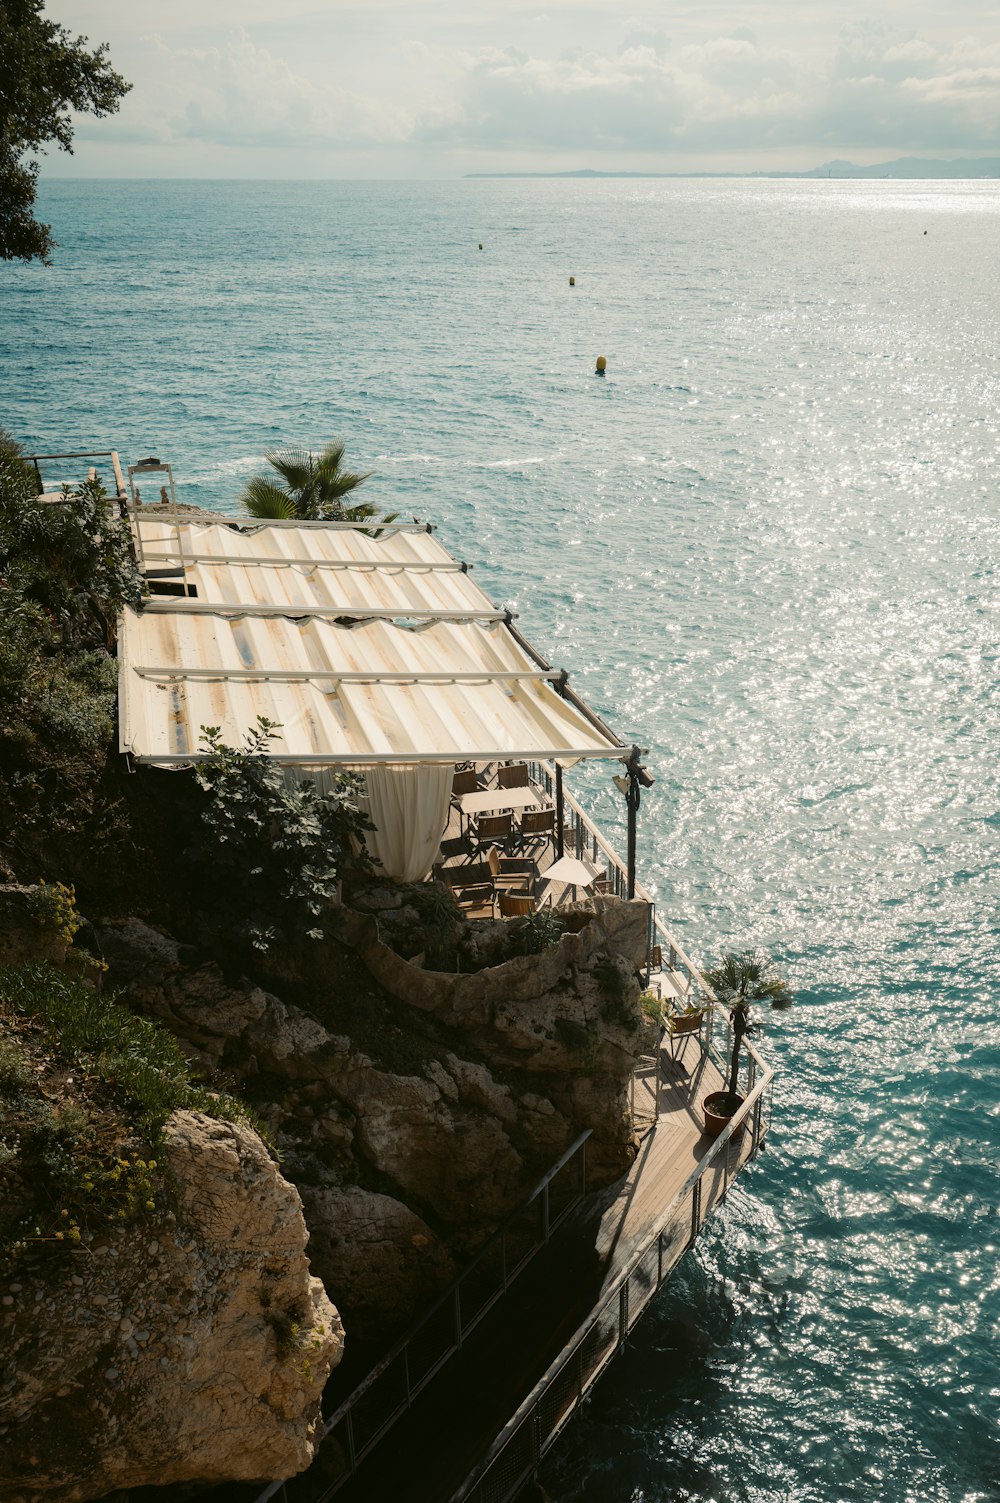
(369, 676)
(159, 513)
(176, 605)
(351, 760)
(283, 561)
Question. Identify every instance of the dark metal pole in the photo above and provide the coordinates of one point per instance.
(632, 806)
(637, 775)
(559, 812)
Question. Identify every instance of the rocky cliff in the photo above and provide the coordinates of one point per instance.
(414, 1116)
(412, 1109)
(192, 1347)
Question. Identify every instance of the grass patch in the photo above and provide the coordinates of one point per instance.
(85, 1090)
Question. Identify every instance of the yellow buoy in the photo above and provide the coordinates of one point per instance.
(572, 281)
(601, 366)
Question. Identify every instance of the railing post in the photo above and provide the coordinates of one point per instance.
(536, 1435)
(695, 1212)
(545, 1212)
(757, 1114)
(623, 1312)
(457, 1310)
(351, 1456)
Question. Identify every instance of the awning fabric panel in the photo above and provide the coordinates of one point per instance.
(425, 577)
(325, 721)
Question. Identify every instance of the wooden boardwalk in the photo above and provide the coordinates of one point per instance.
(437, 1446)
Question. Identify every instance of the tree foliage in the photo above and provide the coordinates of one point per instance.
(311, 489)
(66, 569)
(73, 558)
(273, 851)
(45, 74)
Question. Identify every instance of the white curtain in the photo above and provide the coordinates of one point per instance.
(408, 805)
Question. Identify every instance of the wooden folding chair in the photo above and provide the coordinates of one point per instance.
(536, 825)
(513, 776)
(473, 874)
(516, 872)
(516, 904)
(491, 830)
(466, 781)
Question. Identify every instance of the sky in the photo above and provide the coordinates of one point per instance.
(441, 88)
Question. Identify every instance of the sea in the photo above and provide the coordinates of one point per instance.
(765, 544)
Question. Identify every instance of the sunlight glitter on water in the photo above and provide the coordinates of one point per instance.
(766, 546)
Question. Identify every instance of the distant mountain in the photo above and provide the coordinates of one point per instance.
(902, 167)
(908, 167)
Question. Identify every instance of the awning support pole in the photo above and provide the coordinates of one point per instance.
(560, 832)
(637, 775)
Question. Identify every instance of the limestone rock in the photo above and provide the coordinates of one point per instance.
(207, 1013)
(192, 1349)
(380, 1250)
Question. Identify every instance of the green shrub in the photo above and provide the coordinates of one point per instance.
(274, 851)
(72, 558)
(65, 571)
(535, 932)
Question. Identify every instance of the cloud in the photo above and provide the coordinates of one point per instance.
(240, 95)
(573, 82)
(729, 91)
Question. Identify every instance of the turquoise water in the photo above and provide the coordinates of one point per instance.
(766, 546)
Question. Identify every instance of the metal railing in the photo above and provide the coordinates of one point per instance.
(38, 459)
(582, 838)
(389, 1390)
(515, 1455)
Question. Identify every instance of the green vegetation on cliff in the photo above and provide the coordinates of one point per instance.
(85, 1089)
(66, 569)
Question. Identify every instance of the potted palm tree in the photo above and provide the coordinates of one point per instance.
(740, 979)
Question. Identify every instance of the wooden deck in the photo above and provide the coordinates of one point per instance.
(433, 1452)
(668, 1153)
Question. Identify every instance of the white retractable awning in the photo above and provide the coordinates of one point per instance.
(337, 570)
(314, 629)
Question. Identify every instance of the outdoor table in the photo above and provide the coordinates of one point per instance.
(488, 800)
(569, 871)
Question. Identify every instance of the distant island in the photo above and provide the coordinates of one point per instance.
(902, 167)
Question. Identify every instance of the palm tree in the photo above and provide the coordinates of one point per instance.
(739, 980)
(312, 491)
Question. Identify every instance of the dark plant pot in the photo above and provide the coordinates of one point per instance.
(720, 1108)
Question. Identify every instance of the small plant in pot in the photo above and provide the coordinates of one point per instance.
(740, 979)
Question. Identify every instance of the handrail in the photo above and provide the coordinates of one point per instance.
(531, 1406)
(450, 1296)
(111, 454)
(487, 1248)
(616, 862)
